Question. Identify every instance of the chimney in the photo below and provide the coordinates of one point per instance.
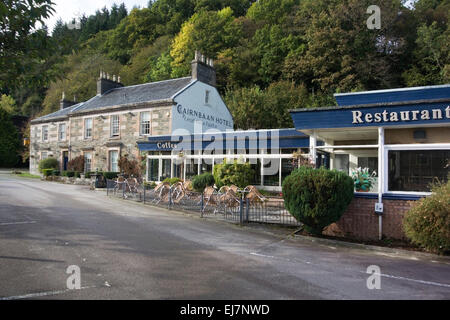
(203, 69)
(65, 103)
(104, 83)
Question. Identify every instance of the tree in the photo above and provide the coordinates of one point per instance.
(22, 44)
(210, 32)
(8, 104)
(9, 141)
(253, 108)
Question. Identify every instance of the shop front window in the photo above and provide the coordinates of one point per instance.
(153, 168)
(271, 172)
(191, 168)
(166, 164)
(416, 170)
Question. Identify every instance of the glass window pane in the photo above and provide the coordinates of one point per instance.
(415, 170)
(113, 161)
(191, 168)
(166, 163)
(287, 166)
(153, 169)
(271, 172)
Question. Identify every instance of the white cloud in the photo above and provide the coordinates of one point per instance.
(70, 9)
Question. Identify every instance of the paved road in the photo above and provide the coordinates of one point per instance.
(127, 251)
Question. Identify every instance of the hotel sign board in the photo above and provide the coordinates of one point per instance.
(354, 117)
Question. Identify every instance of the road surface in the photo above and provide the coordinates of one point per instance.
(127, 251)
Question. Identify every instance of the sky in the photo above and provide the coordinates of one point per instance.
(69, 9)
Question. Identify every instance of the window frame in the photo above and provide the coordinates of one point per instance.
(86, 128)
(112, 134)
(149, 124)
(407, 147)
(110, 159)
(46, 133)
(59, 131)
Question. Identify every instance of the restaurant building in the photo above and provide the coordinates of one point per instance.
(402, 136)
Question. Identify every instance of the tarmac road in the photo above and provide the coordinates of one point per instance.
(128, 251)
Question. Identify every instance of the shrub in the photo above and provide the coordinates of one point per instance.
(317, 197)
(239, 174)
(68, 174)
(427, 223)
(110, 175)
(130, 167)
(150, 185)
(76, 164)
(172, 181)
(199, 183)
(47, 172)
(77, 174)
(48, 163)
(56, 173)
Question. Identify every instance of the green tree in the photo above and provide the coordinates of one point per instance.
(253, 108)
(8, 104)
(22, 45)
(9, 141)
(207, 31)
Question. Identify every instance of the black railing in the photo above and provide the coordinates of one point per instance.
(238, 209)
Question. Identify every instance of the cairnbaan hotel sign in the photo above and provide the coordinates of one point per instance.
(368, 116)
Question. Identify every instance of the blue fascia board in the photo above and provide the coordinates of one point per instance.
(343, 117)
(393, 95)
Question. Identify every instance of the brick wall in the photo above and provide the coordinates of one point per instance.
(361, 222)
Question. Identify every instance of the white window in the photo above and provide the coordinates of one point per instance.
(88, 128)
(87, 161)
(44, 133)
(44, 155)
(145, 123)
(62, 131)
(114, 160)
(115, 126)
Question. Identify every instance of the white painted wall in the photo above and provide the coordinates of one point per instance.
(216, 114)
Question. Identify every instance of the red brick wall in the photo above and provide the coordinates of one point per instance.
(361, 222)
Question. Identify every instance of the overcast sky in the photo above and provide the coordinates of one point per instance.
(69, 9)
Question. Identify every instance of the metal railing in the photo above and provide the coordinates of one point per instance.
(239, 209)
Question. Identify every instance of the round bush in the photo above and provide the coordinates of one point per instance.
(48, 163)
(427, 223)
(110, 175)
(199, 183)
(317, 197)
(239, 174)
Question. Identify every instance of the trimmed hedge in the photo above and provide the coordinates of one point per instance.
(427, 223)
(47, 172)
(200, 182)
(172, 181)
(110, 175)
(48, 163)
(317, 197)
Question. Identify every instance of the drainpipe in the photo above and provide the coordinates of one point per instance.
(379, 204)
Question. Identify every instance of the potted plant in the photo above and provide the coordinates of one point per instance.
(363, 179)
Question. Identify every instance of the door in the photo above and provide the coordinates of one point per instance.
(65, 160)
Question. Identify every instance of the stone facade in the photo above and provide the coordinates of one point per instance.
(157, 101)
(101, 142)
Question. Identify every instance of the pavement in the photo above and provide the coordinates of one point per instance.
(126, 250)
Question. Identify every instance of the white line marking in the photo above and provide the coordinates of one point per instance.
(21, 222)
(382, 274)
(43, 294)
(415, 280)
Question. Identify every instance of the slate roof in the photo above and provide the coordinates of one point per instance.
(147, 92)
